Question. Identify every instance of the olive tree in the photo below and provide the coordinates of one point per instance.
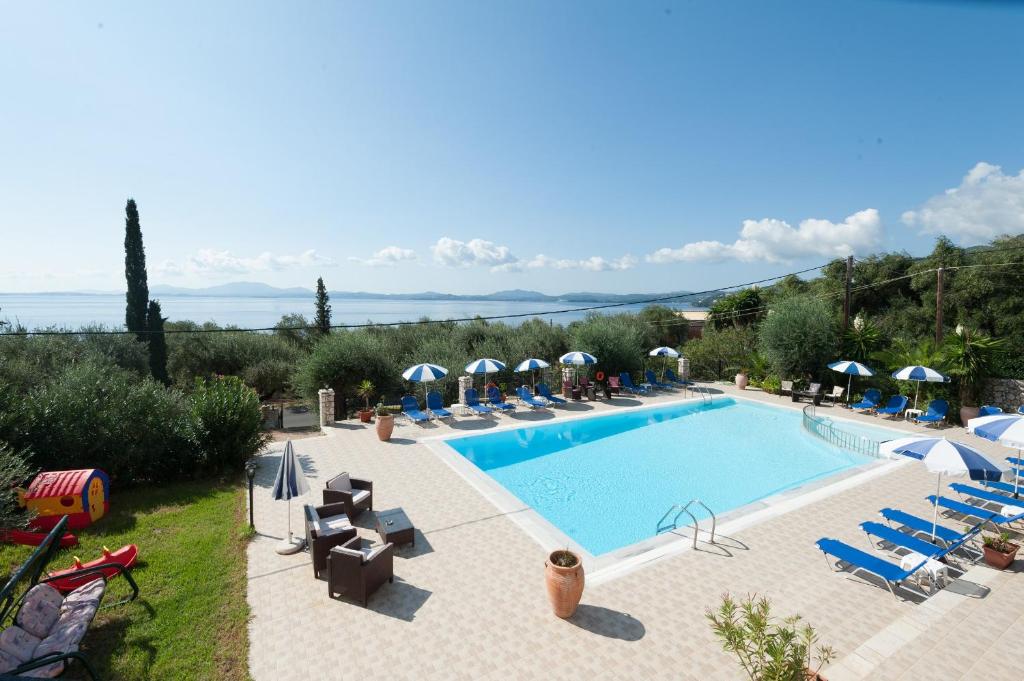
(799, 337)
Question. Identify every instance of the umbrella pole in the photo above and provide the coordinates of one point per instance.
(849, 382)
(1016, 477)
(935, 510)
(916, 393)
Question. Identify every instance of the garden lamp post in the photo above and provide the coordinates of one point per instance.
(250, 474)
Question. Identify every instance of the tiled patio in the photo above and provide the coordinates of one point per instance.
(468, 602)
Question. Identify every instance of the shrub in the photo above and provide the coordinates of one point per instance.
(718, 351)
(342, 360)
(14, 471)
(260, 355)
(227, 422)
(616, 341)
(798, 337)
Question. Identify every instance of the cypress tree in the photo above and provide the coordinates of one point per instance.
(157, 343)
(322, 320)
(135, 272)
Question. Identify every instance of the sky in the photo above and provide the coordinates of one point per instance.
(469, 147)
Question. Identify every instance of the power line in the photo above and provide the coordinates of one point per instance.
(520, 315)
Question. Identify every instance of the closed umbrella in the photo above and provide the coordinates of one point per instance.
(424, 373)
(1006, 429)
(484, 366)
(290, 482)
(663, 351)
(577, 359)
(852, 369)
(921, 375)
(946, 457)
(532, 364)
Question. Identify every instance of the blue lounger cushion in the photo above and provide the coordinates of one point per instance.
(436, 406)
(530, 400)
(627, 384)
(895, 406)
(972, 511)
(494, 397)
(671, 377)
(473, 402)
(890, 572)
(937, 410)
(411, 409)
(545, 392)
(871, 399)
(985, 495)
(902, 539)
(917, 524)
(653, 380)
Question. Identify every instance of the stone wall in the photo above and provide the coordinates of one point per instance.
(326, 397)
(465, 383)
(1007, 393)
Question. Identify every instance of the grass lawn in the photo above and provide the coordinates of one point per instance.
(189, 621)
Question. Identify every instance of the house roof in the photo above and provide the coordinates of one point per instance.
(58, 483)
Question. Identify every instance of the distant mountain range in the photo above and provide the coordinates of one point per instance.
(249, 289)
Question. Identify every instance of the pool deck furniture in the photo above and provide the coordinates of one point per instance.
(529, 400)
(872, 397)
(411, 410)
(892, 574)
(989, 410)
(976, 511)
(836, 394)
(473, 403)
(494, 398)
(327, 526)
(911, 414)
(990, 497)
(671, 377)
(894, 407)
(356, 494)
(936, 412)
(614, 385)
(627, 385)
(920, 525)
(785, 387)
(924, 547)
(43, 628)
(813, 393)
(394, 527)
(653, 380)
(436, 406)
(355, 570)
(544, 391)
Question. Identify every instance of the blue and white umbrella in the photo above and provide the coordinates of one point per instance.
(290, 482)
(484, 366)
(664, 351)
(532, 364)
(946, 457)
(1006, 429)
(851, 368)
(577, 358)
(921, 375)
(424, 373)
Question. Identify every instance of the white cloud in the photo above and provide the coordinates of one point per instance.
(209, 261)
(475, 252)
(387, 257)
(773, 240)
(594, 263)
(987, 203)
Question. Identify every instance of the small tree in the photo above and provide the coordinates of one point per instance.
(798, 336)
(969, 357)
(14, 471)
(137, 295)
(322, 320)
(157, 343)
(365, 390)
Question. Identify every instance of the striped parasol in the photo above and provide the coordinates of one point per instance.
(290, 482)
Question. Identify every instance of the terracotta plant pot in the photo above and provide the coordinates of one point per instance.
(998, 559)
(365, 415)
(741, 381)
(968, 413)
(385, 426)
(564, 584)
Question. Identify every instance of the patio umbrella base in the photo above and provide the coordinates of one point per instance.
(290, 545)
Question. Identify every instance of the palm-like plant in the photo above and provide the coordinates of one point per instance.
(904, 353)
(365, 390)
(969, 356)
(862, 339)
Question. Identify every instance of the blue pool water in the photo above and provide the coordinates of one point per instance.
(606, 481)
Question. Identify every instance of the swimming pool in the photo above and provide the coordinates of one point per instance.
(606, 481)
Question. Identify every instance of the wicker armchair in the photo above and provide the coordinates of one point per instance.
(357, 572)
(327, 526)
(355, 493)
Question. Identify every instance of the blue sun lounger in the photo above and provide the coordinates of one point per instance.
(411, 410)
(529, 400)
(871, 399)
(901, 539)
(545, 392)
(653, 380)
(985, 495)
(494, 397)
(893, 574)
(974, 511)
(627, 384)
(671, 377)
(894, 407)
(436, 406)
(473, 403)
(936, 412)
(894, 515)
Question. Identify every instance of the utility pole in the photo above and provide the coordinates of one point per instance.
(938, 306)
(846, 299)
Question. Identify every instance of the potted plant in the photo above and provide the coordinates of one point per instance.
(385, 423)
(969, 357)
(999, 551)
(742, 379)
(563, 575)
(365, 390)
(768, 649)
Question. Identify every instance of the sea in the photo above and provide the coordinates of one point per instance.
(73, 311)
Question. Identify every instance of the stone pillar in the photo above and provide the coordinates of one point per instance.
(326, 397)
(465, 383)
(684, 368)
